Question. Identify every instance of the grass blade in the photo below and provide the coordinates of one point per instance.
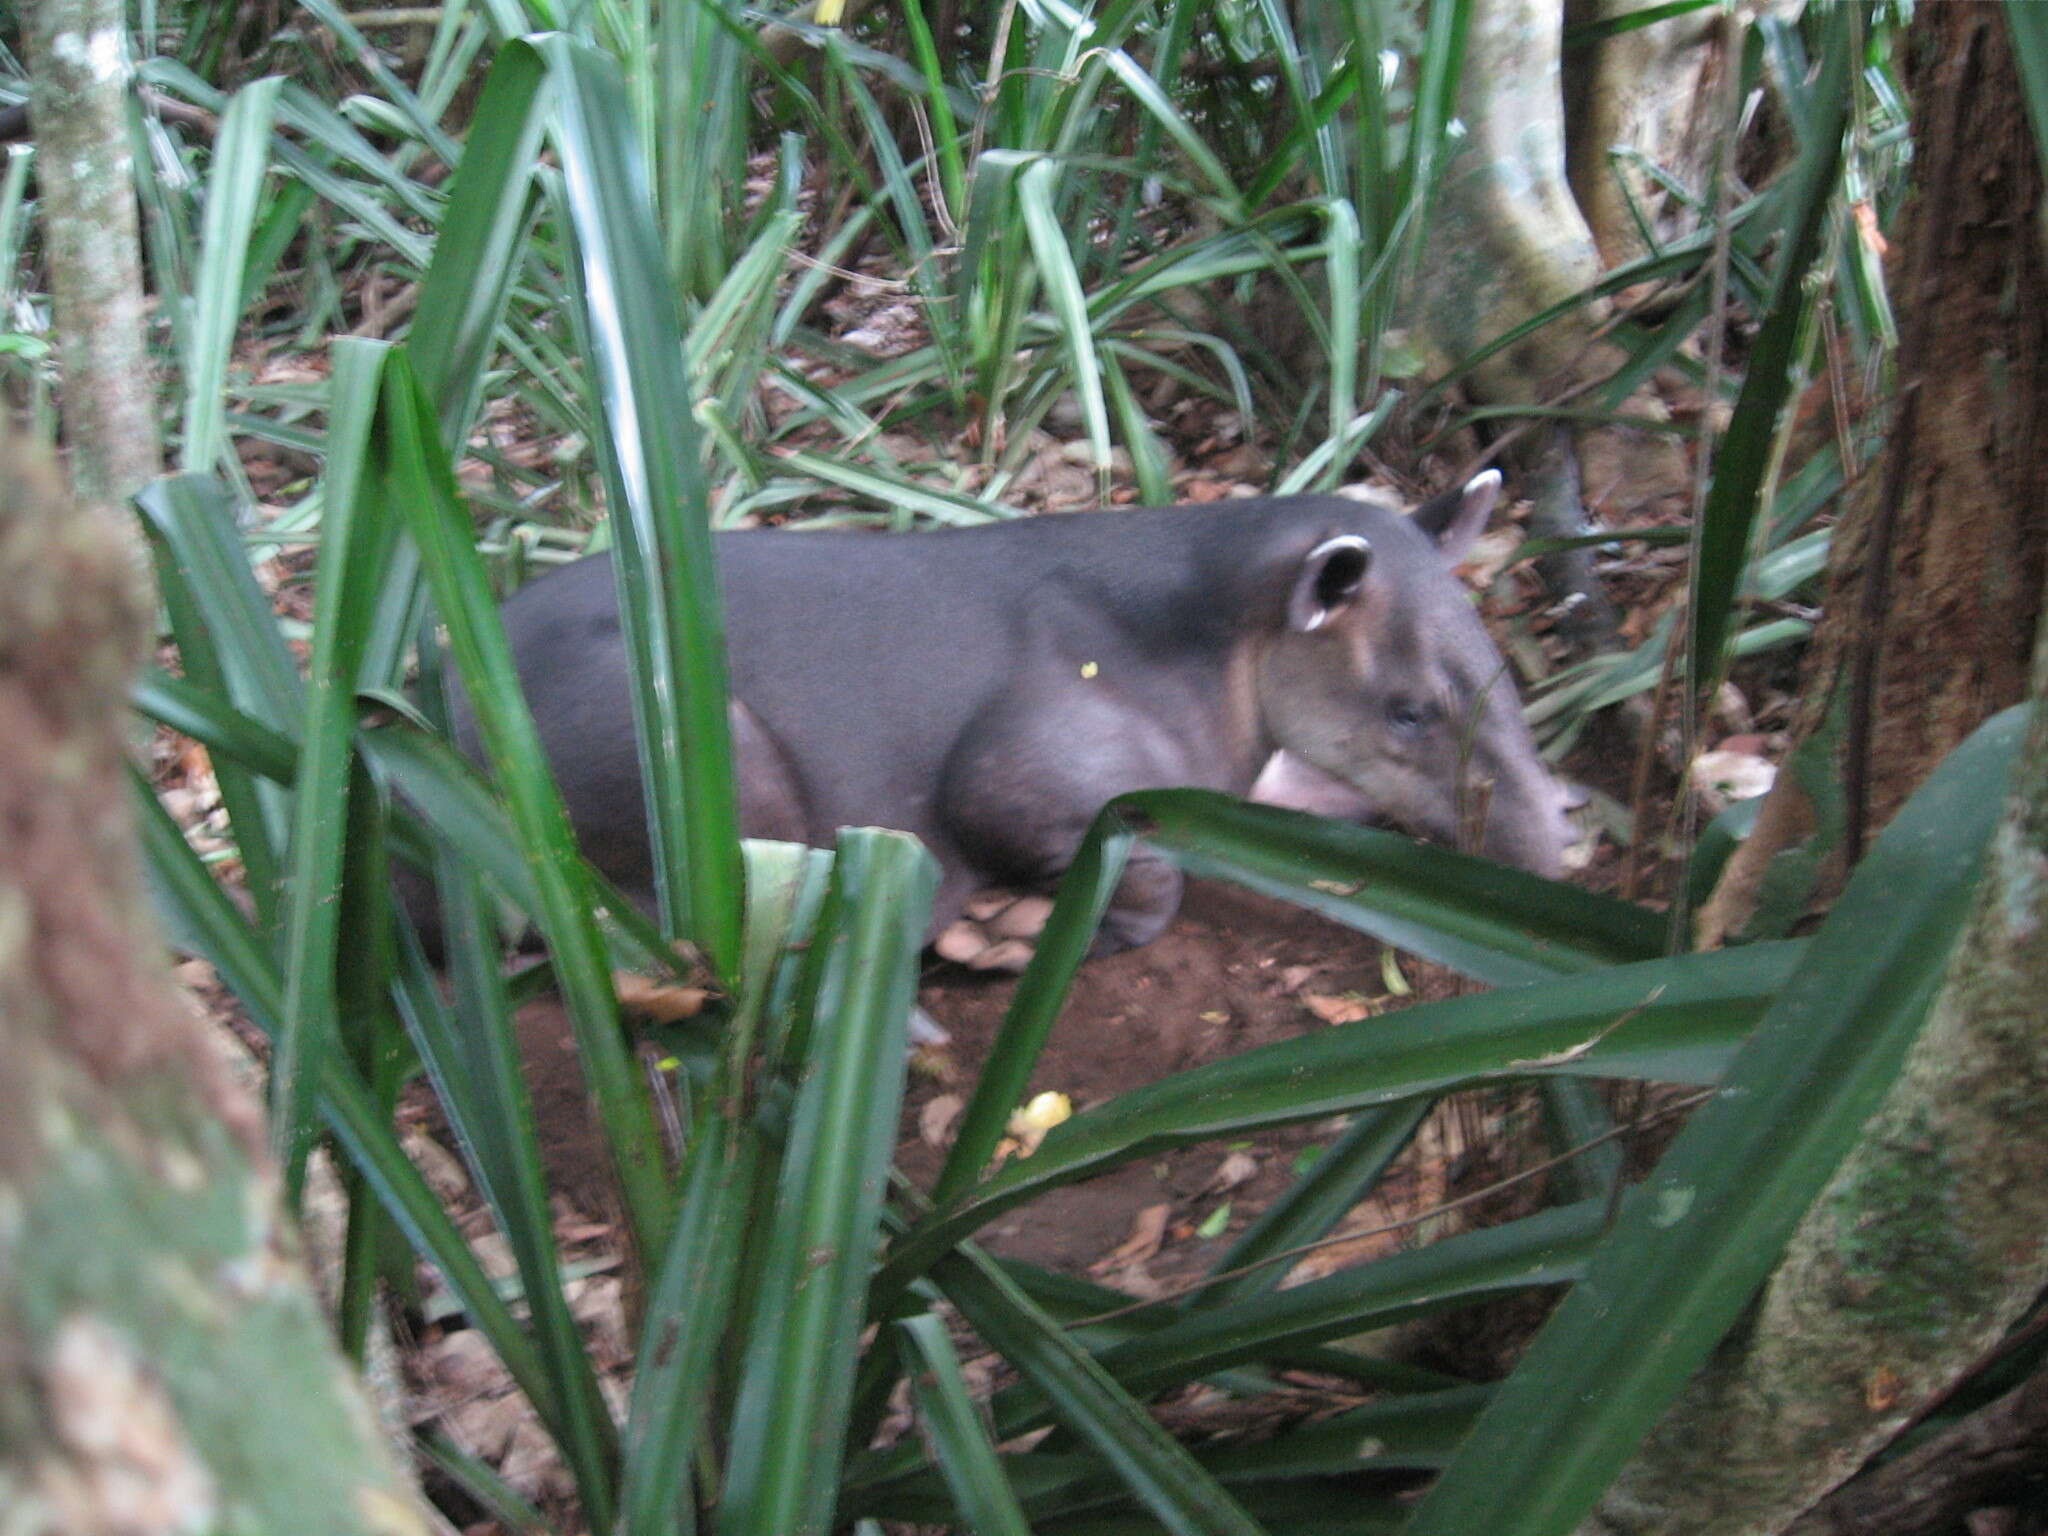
(241, 156)
(958, 1437)
(648, 449)
(805, 1329)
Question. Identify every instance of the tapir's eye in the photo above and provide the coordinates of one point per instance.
(1408, 716)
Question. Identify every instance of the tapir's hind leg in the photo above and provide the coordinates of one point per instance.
(771, 803)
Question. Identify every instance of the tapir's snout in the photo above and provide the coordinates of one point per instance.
(1528, 822)
(1525, 809)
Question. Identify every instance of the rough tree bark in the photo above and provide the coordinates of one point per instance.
(78, 95)
(163, 1364)
(1932, 1239)
(1935, 575)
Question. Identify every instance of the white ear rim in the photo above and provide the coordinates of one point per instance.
(1320, 555)
(1461, 519)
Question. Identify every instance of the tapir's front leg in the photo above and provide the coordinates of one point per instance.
(1027, 778)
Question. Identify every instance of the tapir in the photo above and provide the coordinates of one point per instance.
(990, 688)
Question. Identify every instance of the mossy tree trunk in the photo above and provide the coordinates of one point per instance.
(163, 1364)
(1932, 1239)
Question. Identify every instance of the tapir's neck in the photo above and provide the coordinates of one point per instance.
(1243, 744)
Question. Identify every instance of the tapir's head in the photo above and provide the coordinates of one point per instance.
(1381, 676)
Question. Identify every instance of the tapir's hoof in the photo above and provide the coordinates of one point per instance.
(1023, 918)
(996, 931)
(1003, 955)
(960, 942)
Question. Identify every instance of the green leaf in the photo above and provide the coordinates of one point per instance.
(419, 482)
(1084, 895)
(959, 1439)
(648, 450)
(1062, 284)
(1086, 1398)
(2029, 28)
(241, 156)
(230, 650)
(804, 1335)
(1675, 1020)
(203, 919)
(1549, 1248)
(1494, 923)
(463, 297)
(471, 1052)
(358, 537)
(688, 1311)
(1744, 456)
(1321, 1196)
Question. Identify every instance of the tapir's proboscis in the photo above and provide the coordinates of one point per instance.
(990, 688)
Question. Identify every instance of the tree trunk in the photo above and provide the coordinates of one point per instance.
(163, 1364)
(1935, 576)
(78, 92)
(1655, 92)
(1932, 1239)
(1507, 241)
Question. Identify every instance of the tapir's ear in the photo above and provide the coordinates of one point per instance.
(1328, 580)
(1456, 518)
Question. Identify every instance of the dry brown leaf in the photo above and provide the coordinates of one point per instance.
(936, 1120)
(1148, 1236)
(1341, 1008)
(1238, 1168)
(661, 1001)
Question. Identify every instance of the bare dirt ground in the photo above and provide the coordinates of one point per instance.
(1236, 971)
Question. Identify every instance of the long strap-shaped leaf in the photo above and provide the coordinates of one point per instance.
(1087, 1399)
(1494, 923)
(1744, 456)
(421, 482)
(797, 1377)
(1550, 1248)
(654, 481)
(1695, 1241)
(357, 538)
